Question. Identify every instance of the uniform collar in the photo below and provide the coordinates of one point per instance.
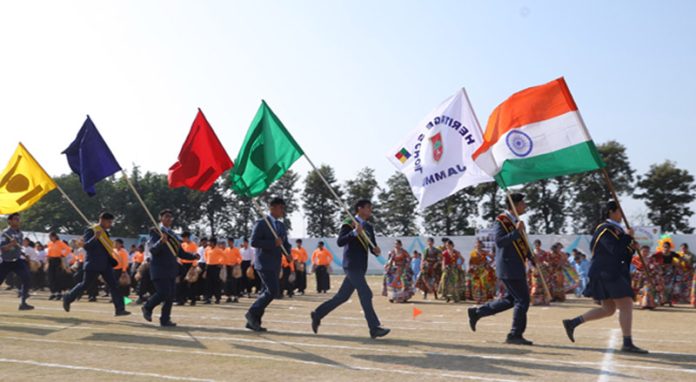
(615, 224)
(511, 216)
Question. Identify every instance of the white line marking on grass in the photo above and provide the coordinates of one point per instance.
(235, 355)
(100, 370)
(608, 359)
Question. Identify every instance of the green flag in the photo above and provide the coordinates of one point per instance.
(267, 153)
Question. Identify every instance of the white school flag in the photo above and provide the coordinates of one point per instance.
(436, 156)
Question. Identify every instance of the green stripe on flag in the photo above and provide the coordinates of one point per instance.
(570, 160)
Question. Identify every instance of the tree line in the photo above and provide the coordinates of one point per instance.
(567, 204)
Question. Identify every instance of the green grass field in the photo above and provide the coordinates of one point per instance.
(211, 344)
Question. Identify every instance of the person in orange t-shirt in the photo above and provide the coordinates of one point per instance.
(215, 258)
(287, 282)
(57, 251)
(321, 260)
(122, 255)
(233, 259)
(299, 255)
(184, 290)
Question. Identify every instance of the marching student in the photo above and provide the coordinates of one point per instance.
(99, 261)
(268, 260)
(164, 268)
(355, 250)
(321, 260)
(299, 256)
(13, 259)
(510, 264)
(610, 279)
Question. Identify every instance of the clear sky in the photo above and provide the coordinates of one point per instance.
(348, 78)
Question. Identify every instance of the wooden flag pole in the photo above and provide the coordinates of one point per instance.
(270, 226)
(614, 195)
(149, 214)
(364, 239)
(547, 293)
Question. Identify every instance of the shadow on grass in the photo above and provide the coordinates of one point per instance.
(475, 364)
(27, 330)
(296, 354)
(143, 340)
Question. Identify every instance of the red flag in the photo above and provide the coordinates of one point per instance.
(202, 159)
(416, 312)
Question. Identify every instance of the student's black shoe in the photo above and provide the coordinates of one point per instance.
(147, 314)
(207, 302)
(379, 332)
(122, 313)
(25, 306)
(66, 304)
(315, 322)
(92, 299)
(473, 318)
(217, 301)
(253, 323)
(517, 340)
(229, 300)
(168, 324)
(52, 297)
(570, 329)
(633, 349)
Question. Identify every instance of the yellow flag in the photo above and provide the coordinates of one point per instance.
(23, 182)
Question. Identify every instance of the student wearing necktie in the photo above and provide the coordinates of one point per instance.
(164, 267)
(268, 260)
(355, 251)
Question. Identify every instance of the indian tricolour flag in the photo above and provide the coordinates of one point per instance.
(535, 134)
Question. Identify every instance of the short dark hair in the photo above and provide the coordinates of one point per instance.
(537, 241)
(361, 204)
(105, 215)
(645, 247)
(230, 239)
(610, 207)
(516, 197)
(53, 234)
(445, 240)
(245, 240)
(320, 243)
(685, 245)
(430, 239)
(166, 211)
(399, 241)
(186, 234)
(12, 216)
(277, 202)
(203, 239)
(120, 241)
(298, 241)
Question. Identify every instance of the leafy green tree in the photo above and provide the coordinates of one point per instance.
(397, 207)
(453, 215)
(667, 191)
(546, 200)
(590, 191)
(320, 208)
